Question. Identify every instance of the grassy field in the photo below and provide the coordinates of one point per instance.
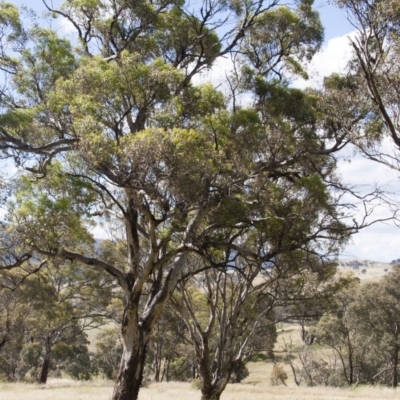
(100, 390)
(255, 387)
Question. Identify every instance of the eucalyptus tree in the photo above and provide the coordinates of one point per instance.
(339, 331)
(65, 302)
(112, 130)
(377, 315)
(227, 322)
(12, 332)
(230, 312)
(48, 305)
(14, 315)
(375, 71)
(362, 329)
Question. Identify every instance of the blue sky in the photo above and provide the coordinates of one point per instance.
(333, 19)
(379, 242)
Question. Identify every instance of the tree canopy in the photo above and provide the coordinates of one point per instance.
(115, 129)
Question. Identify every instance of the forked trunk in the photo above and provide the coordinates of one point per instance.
(211, 389)
(213, 392)
(136, 331)
(210, 396)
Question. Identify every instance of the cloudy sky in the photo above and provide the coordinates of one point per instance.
(380, 241)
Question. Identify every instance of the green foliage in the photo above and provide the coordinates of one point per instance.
(239, 373)
(284, 35)
(195, 383)
(57, 206)
(108, 353)
(50, 59)
(31, 353)
(179, 36)
(12, 35)
(79, 364)
(360, 327)
(180, 370)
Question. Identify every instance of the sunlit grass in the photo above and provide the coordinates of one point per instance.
(254, 389)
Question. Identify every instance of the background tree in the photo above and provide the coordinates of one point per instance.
(375, 71)
(65, 301)
(230, 313)
(376, 310)
(108, 353)
(356, 340)
(228, 321)
(12, 331)
(339, 331)
(170, 356)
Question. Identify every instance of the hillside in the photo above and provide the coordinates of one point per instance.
(366, 270)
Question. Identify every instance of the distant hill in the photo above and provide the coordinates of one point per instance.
(366, 270)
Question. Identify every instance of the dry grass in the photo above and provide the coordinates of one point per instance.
(60, 389)
(57, 389)
(255, 387)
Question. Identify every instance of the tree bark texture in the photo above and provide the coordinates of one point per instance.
(46, 363)
(130, 375)
(395, 367)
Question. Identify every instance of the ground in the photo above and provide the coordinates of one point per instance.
(101, 390)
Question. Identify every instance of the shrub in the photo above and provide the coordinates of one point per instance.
(278, 375)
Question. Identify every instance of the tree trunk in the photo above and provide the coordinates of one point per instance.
(130, 373)
(136, 332)
(351, 370)
(395, 367)
(46, 362)
(135, 338)
(167, 370)
(351, 366)
(210, 389)
(214, 391)
(157, 363)
(211, 396)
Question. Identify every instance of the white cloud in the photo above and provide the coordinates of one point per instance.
(222, 68)
(66, 26)
(380, 241)
(333, 57)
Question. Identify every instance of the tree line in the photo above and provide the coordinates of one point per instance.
(215, 323)
(356, 340)
(216, 201)
(208, 333)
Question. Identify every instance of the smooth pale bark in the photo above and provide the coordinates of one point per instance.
(130, 375)
(136, 331)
